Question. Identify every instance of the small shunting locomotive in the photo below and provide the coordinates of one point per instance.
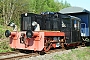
(41, 32)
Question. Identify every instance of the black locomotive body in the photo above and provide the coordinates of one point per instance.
(49, 21)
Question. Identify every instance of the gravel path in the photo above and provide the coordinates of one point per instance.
(49, 56)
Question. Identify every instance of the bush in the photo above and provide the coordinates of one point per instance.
(2, 31)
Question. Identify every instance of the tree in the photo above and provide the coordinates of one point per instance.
(38, 6)
(11, 10)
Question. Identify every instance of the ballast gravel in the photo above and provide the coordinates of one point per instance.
(49, 56)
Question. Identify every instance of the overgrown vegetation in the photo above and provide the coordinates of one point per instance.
(82, 54)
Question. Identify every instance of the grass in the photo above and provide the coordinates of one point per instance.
(4, 46)
(82, 54)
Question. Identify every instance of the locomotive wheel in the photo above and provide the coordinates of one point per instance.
(83, 44)
(41, 52)
(47, 45)
(47, 48)
(26, 43)
(62, 43)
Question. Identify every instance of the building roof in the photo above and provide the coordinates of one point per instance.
(73, 10)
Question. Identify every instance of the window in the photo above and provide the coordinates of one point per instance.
(26, 23)
(65, 23)
(78, 25)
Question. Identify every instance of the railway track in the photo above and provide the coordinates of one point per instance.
(18, 55)
(7, 53)
(4, 56)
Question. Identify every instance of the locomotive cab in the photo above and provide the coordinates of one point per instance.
(71, 26)
(29, 23)
(26, 21)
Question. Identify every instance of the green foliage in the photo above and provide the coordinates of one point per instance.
(1, 21)
(2, 31)
(47, 5)
(11, 10)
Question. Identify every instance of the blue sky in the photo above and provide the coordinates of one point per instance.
(80, 3)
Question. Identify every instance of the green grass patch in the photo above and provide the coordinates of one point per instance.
(82, 54)
(4, 46)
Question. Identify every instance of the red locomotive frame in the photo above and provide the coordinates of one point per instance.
(38, 42)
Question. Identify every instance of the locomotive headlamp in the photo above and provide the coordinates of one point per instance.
(29, 33)
(7, 33)
(34, 23)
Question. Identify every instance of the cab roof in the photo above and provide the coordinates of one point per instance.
(69, 10)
